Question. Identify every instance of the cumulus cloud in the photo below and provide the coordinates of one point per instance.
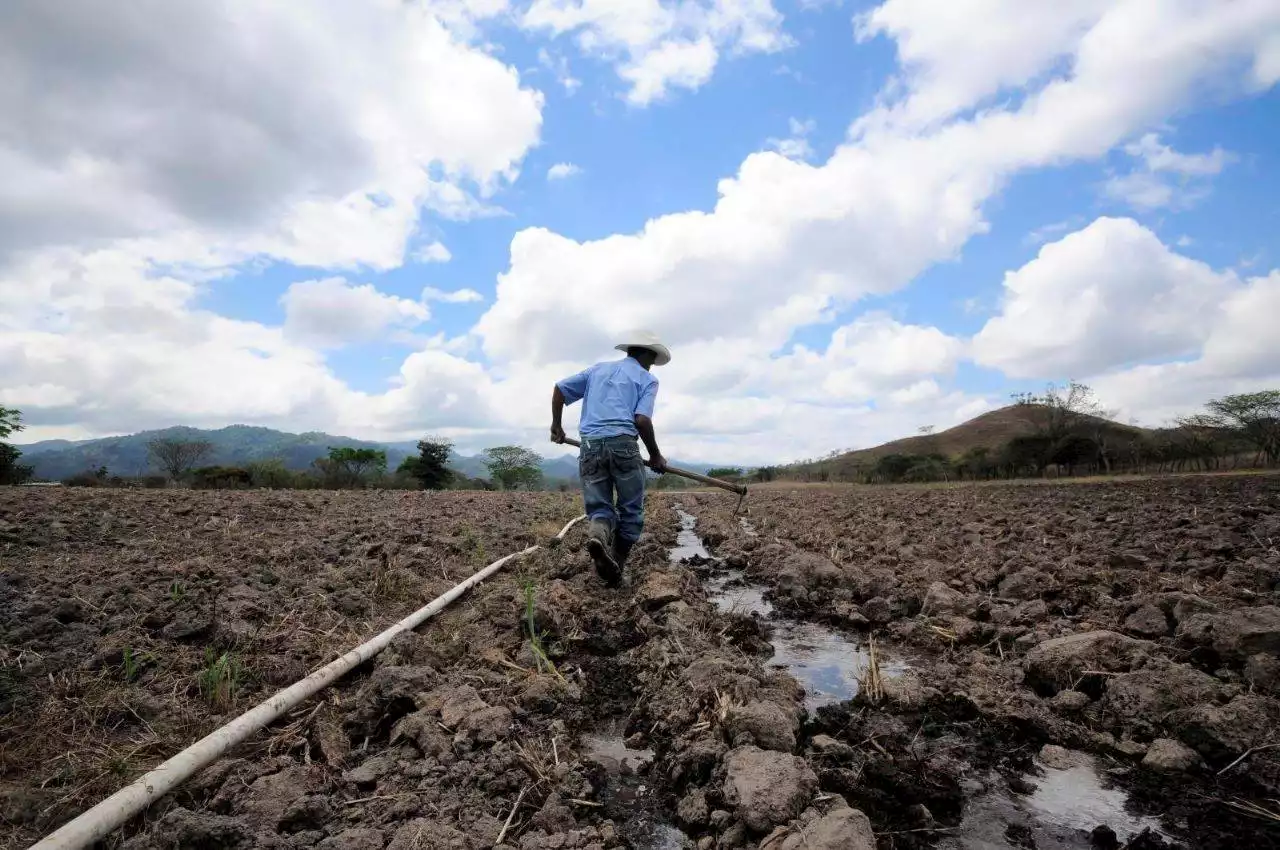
(233, 119)
(1102, 297)
(1154, 332)
(885, 206)
(788, 244)
(333, 312)
(658, 46)
(1240, 353)
(562, 170)
(433, 252)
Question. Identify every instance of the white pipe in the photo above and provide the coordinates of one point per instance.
(105, 817)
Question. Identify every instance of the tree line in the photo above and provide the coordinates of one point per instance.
(183, 462)
(1073, 435)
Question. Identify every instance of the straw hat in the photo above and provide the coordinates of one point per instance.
(649, 340)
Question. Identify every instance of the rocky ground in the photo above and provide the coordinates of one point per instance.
(1137, 622)
(132, 623)
(1132, 623)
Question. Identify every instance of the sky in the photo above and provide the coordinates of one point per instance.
(848, 220)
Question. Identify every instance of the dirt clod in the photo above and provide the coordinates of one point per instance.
(840, 829)
(1167, 754)
(767, 788)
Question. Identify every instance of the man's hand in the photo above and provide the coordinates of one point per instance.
(658, 463)
(557, 433)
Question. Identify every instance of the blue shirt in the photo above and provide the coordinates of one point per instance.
(613, 393)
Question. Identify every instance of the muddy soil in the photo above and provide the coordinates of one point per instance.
(1089, 665)
(133, 623)
(1059, 667)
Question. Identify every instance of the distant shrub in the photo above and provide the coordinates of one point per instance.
(272, 473)
(221, 478)
(89, 478)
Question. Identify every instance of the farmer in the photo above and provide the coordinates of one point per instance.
(617, 406)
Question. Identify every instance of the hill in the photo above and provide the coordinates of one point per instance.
(237, 445)
(990, 430)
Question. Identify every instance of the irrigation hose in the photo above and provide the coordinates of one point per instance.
(102, 819)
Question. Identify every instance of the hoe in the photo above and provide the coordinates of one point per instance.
(740, 489)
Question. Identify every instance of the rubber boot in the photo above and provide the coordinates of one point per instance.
(621, 549)
(598, 534)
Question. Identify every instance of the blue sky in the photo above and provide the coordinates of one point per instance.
(849, 220)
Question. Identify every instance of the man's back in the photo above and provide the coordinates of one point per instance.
(612, 393)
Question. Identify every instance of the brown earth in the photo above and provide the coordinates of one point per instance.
(1139, 621)
(134, 622)
(1130, 620)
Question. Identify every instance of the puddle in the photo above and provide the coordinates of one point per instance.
(1068, 803)
(826, 662)
(688, 543)
(628, 795)
(608, 749)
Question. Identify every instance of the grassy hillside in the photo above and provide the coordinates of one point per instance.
(990, 430)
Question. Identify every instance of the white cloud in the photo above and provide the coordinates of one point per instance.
(658, 46)
(457, 296)
(1160, 157)
(1143, 190)
(562, 171)
(1101, 301)
(1152, 186)
(333, 312)
(956, 55)
(232, 119)
(1106, 296)
(884, 207)
(680, 64)
(111, 338)
(433, 252)
(795, 146)
(1241, 353)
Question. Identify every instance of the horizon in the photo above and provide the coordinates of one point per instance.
(569, 454)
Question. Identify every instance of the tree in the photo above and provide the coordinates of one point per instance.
(1255, 416)
(725, 473)
(1071, 409)
(514, 466)
(430, 467)
(10, 471)
(271, 473)
(1063, 407)
(10, 421)
(350, 465)
(177, 457)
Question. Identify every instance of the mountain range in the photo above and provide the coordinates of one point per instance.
(237, 445)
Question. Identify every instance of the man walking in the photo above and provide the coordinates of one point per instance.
(617, 406)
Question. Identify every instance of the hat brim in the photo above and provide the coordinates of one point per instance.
(663, 355)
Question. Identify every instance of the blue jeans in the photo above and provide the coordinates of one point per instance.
(612, 464)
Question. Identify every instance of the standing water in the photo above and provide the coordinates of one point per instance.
(1069, 800)
(827, 663)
